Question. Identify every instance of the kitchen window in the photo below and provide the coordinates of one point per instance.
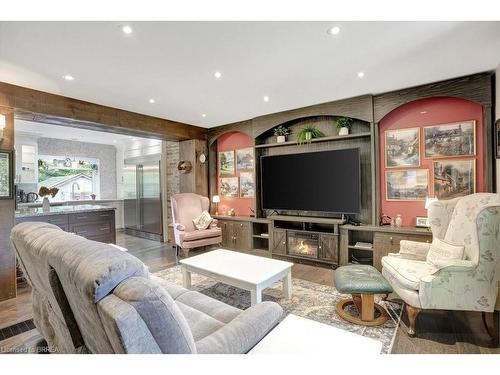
(77, 178)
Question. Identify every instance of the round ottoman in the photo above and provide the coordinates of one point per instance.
(362, 282)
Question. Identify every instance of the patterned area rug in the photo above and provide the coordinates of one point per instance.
(309, 300)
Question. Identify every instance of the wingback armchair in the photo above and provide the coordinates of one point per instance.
(470, 284)
(186, 207)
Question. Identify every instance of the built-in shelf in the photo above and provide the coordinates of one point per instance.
(359, 248)
(260, 236)
(315, 140)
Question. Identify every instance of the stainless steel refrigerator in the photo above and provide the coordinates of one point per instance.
(142, 198)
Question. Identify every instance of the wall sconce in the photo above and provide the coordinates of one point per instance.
(2, 126)
(216, 200)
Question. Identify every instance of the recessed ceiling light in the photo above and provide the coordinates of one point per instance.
(266, 98)
(114, 140)
(423, 112)
(69, 77)
(203, 115)
(130, 137)
(218, 75)
(335, 30)
(127, 29)
(361, 74)
(152, 101)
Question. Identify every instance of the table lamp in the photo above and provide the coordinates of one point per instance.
(216, 200)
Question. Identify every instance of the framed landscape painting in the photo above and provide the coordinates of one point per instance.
(228, 187)
(454, 178)
(402, 148)
(247, 185)
(226, 163)
(407, 185)
(450, 140)
(245, 159)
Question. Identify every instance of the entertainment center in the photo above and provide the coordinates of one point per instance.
(320, 237)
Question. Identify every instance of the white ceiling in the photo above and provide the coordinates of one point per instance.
(38, 130)
(294, 63)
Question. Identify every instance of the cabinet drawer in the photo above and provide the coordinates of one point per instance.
(52, 219)
(385, 243)
(91, 216)
(328, 248)
(91, 229)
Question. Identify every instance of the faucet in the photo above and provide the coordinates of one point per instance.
(73, 189)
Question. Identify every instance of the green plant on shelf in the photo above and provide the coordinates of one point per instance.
(281, 130)
(309, 133)
(344, 122)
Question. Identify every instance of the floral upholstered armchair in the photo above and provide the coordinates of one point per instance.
(469, 284)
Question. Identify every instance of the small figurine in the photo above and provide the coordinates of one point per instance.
(385, 219)
(231, 212)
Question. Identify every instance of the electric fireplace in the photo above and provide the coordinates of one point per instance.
(303, 244)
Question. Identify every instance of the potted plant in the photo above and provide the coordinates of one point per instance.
(344, 125)
(308, 133)
(281, 132)
(45, 192)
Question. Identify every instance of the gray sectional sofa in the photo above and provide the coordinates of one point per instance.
(89, 297)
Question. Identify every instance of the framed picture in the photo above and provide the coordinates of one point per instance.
(450, 140)
(247, 185)
(454, 178)
(6, 174)
(402, 148)
(226, 163)
(422, 222)
(228, 187)
(407, 185)
(245, 159)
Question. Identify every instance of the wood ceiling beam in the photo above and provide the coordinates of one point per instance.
(39, 106)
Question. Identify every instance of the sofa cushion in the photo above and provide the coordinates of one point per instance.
(442, 252)
(201, 234)
(407, 272)
(159, 312)
(216, 309)
(200, 324)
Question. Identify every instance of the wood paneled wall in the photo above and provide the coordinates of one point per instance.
(7, 207)
(39, 106)
(196, 181)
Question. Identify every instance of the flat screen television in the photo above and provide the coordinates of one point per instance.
(323, 181)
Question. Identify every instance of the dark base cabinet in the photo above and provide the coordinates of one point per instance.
(96, 225)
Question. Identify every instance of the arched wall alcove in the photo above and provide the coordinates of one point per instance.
(420, 114)
(231, 142)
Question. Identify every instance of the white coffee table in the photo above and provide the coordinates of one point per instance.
(300, 336)
(243, 271)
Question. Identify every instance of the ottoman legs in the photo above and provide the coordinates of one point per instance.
(366, 307)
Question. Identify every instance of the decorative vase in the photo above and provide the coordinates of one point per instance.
(308, 136)
(399, 221)
(45, 204)
(344, 131)
(280, 139)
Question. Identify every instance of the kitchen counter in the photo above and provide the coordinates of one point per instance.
(69, 203)
(59, 210)
(91, 221)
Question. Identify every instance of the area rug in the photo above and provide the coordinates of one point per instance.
(309, 300)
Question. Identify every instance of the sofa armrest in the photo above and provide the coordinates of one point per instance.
(243, 332)
(457, 265)
(414, 250)
(180, 227)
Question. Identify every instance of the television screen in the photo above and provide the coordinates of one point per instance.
(326, 181)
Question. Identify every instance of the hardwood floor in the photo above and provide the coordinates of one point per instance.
(437, 331)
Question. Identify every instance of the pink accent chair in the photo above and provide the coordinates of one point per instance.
(186, 207)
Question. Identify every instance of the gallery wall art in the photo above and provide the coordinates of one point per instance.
(407, 184)
(454, 178)
(450, 140)
(402, 148)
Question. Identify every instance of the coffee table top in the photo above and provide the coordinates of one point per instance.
(301, 336)
(250, 269)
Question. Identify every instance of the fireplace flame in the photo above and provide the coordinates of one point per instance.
(304, 248)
